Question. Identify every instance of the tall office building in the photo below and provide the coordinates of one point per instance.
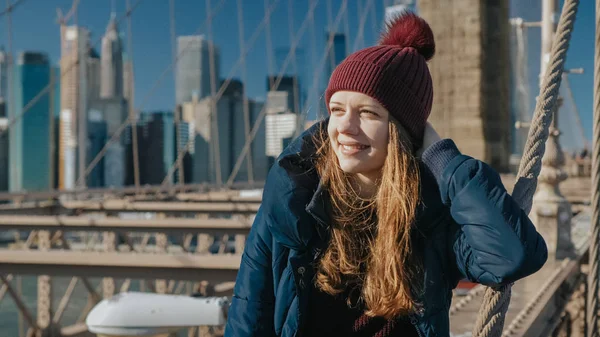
(289, 85)
(75, 45)
(96, 141)
(128, 78)
(30, 143)
(111, 84)
(228, 121)
(335, 56)
(113, 112)
(4, 60)
(157, 147)
(94, 71)
(193, 68)
(297, 69)
(279, 128)
(260, 163)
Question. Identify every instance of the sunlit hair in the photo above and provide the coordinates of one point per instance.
(370, 247)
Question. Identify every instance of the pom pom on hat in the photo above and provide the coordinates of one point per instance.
(409, 30)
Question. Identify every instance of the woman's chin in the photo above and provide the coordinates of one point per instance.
(354, 168)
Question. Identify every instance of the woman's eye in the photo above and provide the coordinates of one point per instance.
(369, 112)
(336, 110)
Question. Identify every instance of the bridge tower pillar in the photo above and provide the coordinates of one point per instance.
(470, 72)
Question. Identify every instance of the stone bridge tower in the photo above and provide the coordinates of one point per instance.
(471, 76)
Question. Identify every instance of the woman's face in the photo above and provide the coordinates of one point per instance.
(358, 132)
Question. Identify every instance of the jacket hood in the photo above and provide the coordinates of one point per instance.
(297, 204)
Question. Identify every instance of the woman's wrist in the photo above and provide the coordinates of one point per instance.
(438, 155)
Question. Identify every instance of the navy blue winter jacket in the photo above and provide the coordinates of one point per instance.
(467, 226)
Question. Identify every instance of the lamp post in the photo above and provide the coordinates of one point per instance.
(154, 315)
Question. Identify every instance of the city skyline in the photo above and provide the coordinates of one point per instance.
(100, 86)
(36, 30)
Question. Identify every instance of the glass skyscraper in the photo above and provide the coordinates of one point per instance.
(31, 144)
(97, 137)
(157, 148)
(193, 68)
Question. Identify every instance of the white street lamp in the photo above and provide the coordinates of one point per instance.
(154, 315)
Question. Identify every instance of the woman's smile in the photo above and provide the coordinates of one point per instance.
(352, 148)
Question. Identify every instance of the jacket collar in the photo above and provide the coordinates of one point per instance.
(294, 198)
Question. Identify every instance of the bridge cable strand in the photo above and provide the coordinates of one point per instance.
(11, 7)
(294, 59)
(579, 124)
(374, 28)
(490, 320)
(359, 41)
(53, 80)
(315, 77)
(313, 94)
(214, 116)
(225, 85)
(130, 106)
(329, 32)
(149, 94)
(347, 31)
(10, 68)
(269, 45)
(593, 307)
(178, 112)
(246, 103)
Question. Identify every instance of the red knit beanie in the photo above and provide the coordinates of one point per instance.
(395, 73)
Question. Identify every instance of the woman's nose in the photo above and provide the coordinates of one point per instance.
(348, 123)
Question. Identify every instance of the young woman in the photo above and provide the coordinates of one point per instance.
(369, 219)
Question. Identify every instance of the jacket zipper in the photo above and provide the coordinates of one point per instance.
(413, 321)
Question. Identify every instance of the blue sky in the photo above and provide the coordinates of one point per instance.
(35, 28)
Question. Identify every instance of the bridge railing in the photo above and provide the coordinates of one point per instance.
(105, 246)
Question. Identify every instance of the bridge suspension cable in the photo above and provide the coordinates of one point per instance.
(246, 103)
(490, 320)
(294, 62)
(130, 103)
(578, 124)
(178, 113)
(593, 305)
(269, 45)
(214, 117)
(11, 7)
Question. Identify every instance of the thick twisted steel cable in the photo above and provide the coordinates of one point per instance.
(593, 307)
(490, 320)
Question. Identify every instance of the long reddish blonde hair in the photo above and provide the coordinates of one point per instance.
(370, 246)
